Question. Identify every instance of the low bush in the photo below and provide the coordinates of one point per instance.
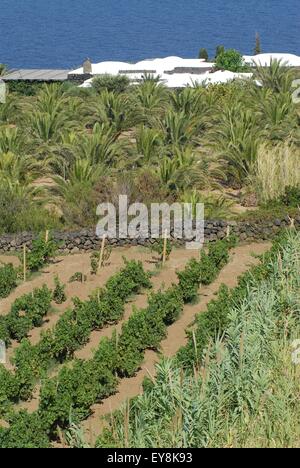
(41, 253)
(25, 431)
(27, 312)
(291, 197)
(158, 247)
(117, 84)
(59, 295)
(8, 279)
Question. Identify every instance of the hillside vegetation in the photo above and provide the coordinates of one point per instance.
(235, 384)
(65, 149)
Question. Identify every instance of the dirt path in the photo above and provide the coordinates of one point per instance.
(241, 260)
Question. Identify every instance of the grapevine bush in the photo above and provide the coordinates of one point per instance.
(8, 279)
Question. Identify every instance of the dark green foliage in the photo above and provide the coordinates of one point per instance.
(71, 394)
(213, 322)
(257, 48)
(59, 295)
(78, 277)
(219, 254)
(220, 50)
(158, 247)
(25, 88)
(8, 279)
(28, 312)
(205, 270)
(231, 60)
(28, 362)
(41, 253)
(170, 303)
(203, 54)
(9, 389)
(291, 197)
(117, 84)
(188, 281)
(209, 325)
(129, 280)
(4, 332)
(25, 431)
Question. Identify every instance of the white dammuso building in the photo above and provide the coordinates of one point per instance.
(175, 72)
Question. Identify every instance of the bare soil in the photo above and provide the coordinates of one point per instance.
(242, 258)
(65, 266)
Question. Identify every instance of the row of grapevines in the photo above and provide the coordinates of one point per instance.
(74, 327)
(214, 321)
(41, 253)
(77, 388)
(26, 313)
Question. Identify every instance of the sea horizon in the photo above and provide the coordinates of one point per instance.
(62, 33)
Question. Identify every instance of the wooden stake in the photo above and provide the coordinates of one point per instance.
(165, 247)
(228, 232)
(24, 262)
(102, 252)
(47, 236)
(292, 221)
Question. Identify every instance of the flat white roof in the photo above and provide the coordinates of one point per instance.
(265, 59)
(160, 66)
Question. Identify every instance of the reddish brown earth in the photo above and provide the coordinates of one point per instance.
(242, 258)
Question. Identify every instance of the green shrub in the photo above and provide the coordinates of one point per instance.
(169, 303)
(4, 332)
(25, 88)
(8, 279)
(41, 253)
(129, 281)
(203, 54)
(28, 311)
(231, 60)
(78, 277)
(25, 431)
(218, 252)
(59, 295)
(158, 247)
(9, 389)
(117, 84)
(291, 197)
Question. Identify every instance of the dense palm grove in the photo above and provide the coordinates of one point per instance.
(64, 149)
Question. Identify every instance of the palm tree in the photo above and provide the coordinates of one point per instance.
(3, 69)
(48, 127)
(278, 76)
(11, 140)
(236, 141)
(151, 99)
(21, 169)
(148, 145)
(279, 116)
(100, 147)
(184, 169)
(179, 129)
(9, 110)
(114, 110)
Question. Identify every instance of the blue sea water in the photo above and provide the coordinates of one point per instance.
(61, 33)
